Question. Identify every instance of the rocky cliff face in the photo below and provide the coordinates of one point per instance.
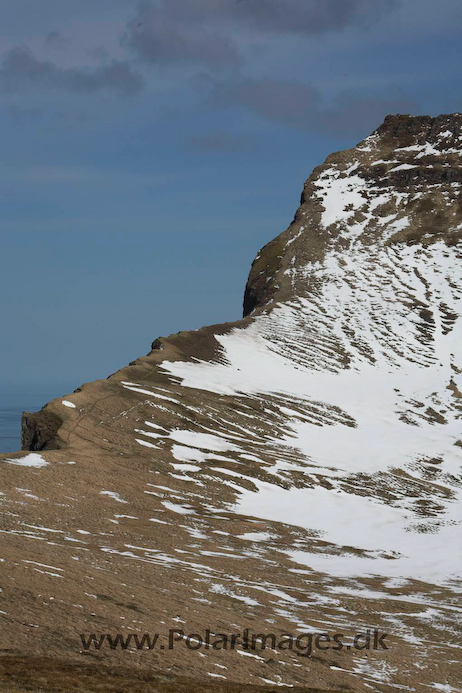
(296, 471)
(401, 185)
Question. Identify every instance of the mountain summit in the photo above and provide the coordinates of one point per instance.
(298, 471)
(401, 185)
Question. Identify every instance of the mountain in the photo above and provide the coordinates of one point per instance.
(297, 472)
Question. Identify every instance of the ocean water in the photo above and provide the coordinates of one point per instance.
(11, 409)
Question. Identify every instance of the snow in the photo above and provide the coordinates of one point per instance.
(148, 434)
(276, 683)
(421, 150)
(338, 193)
(297, 235)
(185, 454)
(204, 441)
(381, 533)
(152, 425)
(255, 536)
(66, 403)
(145, 444)
(177, 508)
(43, 565)
(221, 589)
(369, 144)
(366, 419)
(186, 467)
(140, 390)
(403, 167)
(230, 472)
(33, 459)
(113, 495)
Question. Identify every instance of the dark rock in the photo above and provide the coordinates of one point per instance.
(39, 429)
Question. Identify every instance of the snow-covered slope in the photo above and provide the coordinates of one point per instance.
(365, 356)
(297, 471)
(370, 397)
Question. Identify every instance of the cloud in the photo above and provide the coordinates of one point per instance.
(21, 70)
(309, 17)
(354, 112)
(301, 106)
(288, 102)
(56, 40)
(222, 142)
(209, 32)
(170, 34)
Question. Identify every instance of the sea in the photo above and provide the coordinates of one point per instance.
(11, 409)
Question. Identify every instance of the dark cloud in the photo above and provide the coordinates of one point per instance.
(307, 17)
(284, 102)
(299, 105)
(172, 35)
(354, 112)
(56, 40)
(207, 32)
(21, 70)
(221, 142)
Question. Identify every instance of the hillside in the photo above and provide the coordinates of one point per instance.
(298, 471)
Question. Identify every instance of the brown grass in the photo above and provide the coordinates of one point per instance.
(21, 674)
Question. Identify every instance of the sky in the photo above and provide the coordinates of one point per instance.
(149, 150)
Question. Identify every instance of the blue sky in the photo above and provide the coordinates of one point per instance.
(150, 149)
